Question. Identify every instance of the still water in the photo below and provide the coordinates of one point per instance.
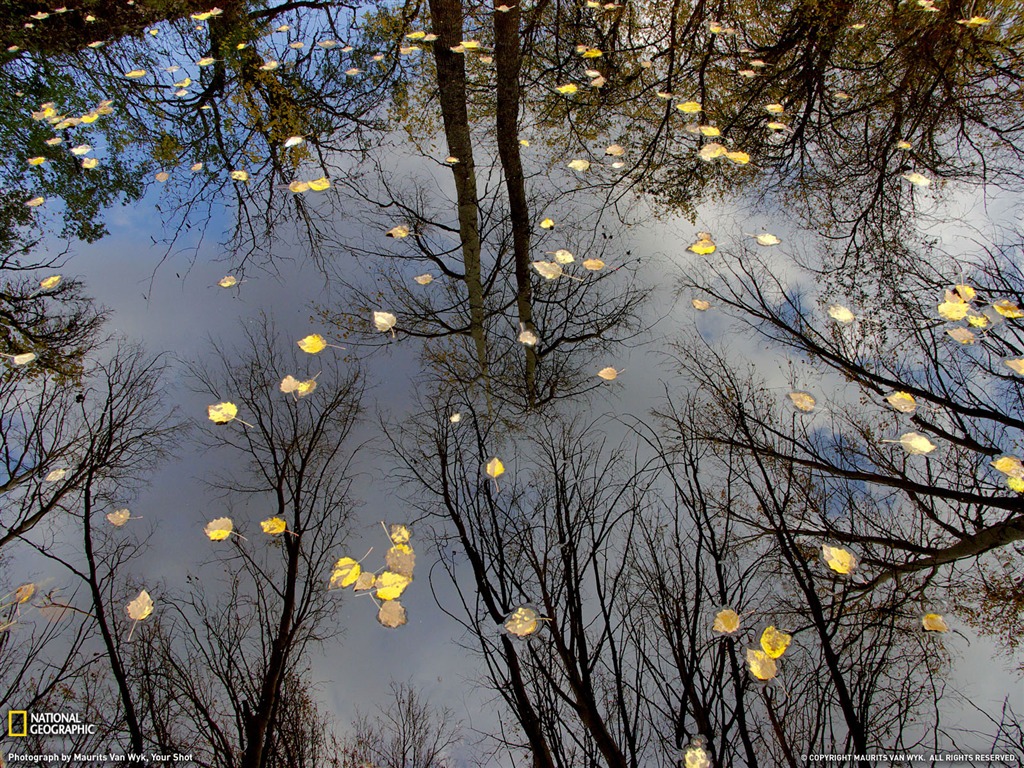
(550, 384)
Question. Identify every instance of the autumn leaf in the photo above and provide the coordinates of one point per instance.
(119, 517)
(227, 281)
(962, 335)
(1008, 309)
(392, 614)
(953, 311)
(547, 269)
(579, 165)
(838, 559)
(366, 581)
(914, 443)
(689, 107)
(141, 607)
(608, 374)
(523, 621)
(701, 305)
(1016, 365)
(933, 622)
(424, 279)
(841, 314)
(345, 573)
(400, 559)
(273, 526)
(917, 179)
(547, 224)
(902, 401)
(219, 528)
(55, 475)
(727, 621)
(593, 265)
(390, 586)
(384, 321)
(802, 401)
(222, 413)
(761, 665)
(312, 344)
(567, 89)
(495, 468)
(766, 238)
(399, 534)
(24, 593)
(774, 643)
(704, 245)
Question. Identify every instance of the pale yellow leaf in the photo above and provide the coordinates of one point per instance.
(802, 401)
(547, 269)
(840, 314)
(917, 179)
(962, 335)
(522, 622)
(140, 607)
(24, 593)
(903, 402)
(547, 224)
(1008, 309)
(933, 622)
(1016, 365)
(579, 165)
(49, 283)
(398, 232)
(219, 528)
(119, 517)
(727, 621)
(384, 321)
(593, 264)
(228, 281)
(689, 107)
(608, 374)
(495, 468)
(426, 279)
(761, 665)
(838, 559)
(701, 305)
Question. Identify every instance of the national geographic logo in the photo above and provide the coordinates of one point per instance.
(21, 723)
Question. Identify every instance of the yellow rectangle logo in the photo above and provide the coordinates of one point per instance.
(12, 715)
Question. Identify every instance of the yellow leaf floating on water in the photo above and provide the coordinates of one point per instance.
(399, 534)
(90, 162)
(761, 665)
(50, 282)
(522, 622)
(765, 238)
(953, 310)
(774, 109)
(1010, 466)
(36, 160)
(424, 279)
(298, 187)
(695, 756)
(709, 130)
(24, 593)
(345, 572)
(615, 150)
(802, 401)
(933, 622)
(562, 256)
(915, 443)
(392, 614)
(384, 321)
(35, 202)
(219, 528)
(917, 179)
(975, 21)
(135, 74)
(903, 402)
(228, 281)
(319, 185)
(579, 165)
(704, 244)
(293, 141)
(119, 517)
(547, 269)
(495, 468)
(162, 176)
(711, 150)
(24, 358)
(1015, 484)
(55, 475)
(774, 643)
(841, 314)
(608, 374)
(312, 344)
(593, 265)
(273, 526)
(547, 224)
(838, 559)
(240, 175)
(962, 335)
(976, 320)
(701, 305)
(727, 621)
(740, 158)
(1008, 309)
(398, 232)
(140, 607)
(568, 88)
(689, 107)
(1016, 365)
(205, 61)
(222, 413)
(390, 586)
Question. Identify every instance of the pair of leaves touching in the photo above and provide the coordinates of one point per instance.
(292, 386)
